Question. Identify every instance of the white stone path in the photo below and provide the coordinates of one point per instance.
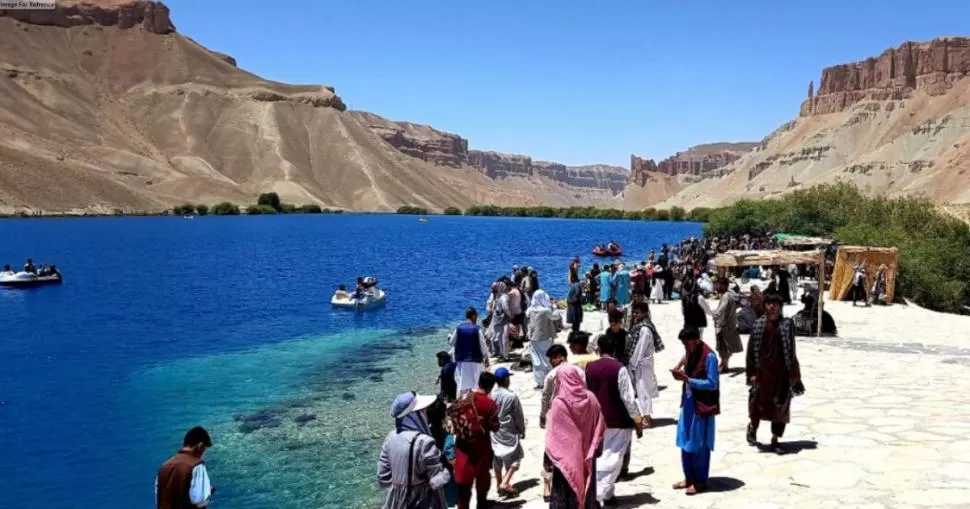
(885, 422)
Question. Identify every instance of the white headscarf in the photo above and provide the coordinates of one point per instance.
(540, 299)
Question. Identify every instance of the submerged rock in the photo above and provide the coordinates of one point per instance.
(267, 418)
(304, 419)
(348, 396)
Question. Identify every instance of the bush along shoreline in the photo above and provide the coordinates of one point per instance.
(934, 248)
(266, 204)
(673, 214)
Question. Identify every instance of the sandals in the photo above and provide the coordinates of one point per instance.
(695, 489)
(508, 492)
(682, 485)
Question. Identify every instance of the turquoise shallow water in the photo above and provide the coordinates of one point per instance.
(164, 323)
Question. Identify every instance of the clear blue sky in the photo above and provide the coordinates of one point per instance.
(576, 81)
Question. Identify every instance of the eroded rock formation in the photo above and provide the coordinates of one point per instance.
(421, 141)
(696, 163)
(152, 16)
(932, 67)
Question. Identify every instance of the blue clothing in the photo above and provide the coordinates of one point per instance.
(607, 291)
(468, 343)
(449, 387)
(697, 466)
(696, 433)
(622, 288)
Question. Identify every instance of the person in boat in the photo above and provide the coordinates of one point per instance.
(52, 271)
(29, 267)
(341, 292)
(7, 271)
(612, 246)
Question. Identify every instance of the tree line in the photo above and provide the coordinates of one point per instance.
(267, 203)
(699, 214)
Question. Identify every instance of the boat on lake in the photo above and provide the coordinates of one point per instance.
(368, 300)
(29, 280)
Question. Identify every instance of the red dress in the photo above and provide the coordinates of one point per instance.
(472, 458)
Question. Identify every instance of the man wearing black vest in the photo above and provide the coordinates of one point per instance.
(182, 482)
(610, 381)
(700, 402)
(471, 357)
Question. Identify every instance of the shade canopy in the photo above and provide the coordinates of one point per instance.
(776, 257)
(793, 240)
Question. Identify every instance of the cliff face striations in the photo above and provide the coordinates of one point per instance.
(932, 67)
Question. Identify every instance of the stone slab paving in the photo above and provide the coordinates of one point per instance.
(885, 422)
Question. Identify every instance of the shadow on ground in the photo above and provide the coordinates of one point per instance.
(525, 484)
(661, 422)
(790, 447)
(635, 475)
(637, 500)
(723, 484)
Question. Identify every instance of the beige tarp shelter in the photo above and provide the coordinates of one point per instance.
(794, 241)
(746, 258)
(872, 257)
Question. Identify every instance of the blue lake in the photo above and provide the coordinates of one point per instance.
(166, 323)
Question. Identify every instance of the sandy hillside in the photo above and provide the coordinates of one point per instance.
(898, 124)
(126, 113)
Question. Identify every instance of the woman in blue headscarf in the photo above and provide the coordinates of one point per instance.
(410, 468)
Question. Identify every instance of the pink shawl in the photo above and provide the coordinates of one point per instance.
(575, 430)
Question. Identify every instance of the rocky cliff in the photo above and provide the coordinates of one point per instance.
(496, 165)
(447, 149)
(151, 16)
(420, 141)
(932, 67)
(895, 124)
(694, 164)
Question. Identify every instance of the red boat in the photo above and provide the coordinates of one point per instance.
(614, 250)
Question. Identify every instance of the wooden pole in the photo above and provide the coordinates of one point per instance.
(821, 288)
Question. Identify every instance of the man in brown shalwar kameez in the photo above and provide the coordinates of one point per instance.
(772, 371)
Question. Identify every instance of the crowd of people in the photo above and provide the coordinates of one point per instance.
(596, 397)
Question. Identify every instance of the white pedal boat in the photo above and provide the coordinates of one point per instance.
(26, 280)
(368, 301)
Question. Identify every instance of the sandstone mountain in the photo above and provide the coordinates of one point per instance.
(103, 106)
(897, 124)
(651, 182)
(549, 183)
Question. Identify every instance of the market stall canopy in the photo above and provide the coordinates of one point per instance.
(872, 258)
(792, 240)
(777, 257)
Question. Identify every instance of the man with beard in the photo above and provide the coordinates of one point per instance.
(773, 372)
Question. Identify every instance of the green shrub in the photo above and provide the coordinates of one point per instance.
(699, 214)
(649, 214)
(256, 210)
(311, 209)
(201, 209)
(408, 209)
(662, 215)
(184, 210)
(677, 213)
(287, 208)
(452, 211)
(225, 209)
(271, 200)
